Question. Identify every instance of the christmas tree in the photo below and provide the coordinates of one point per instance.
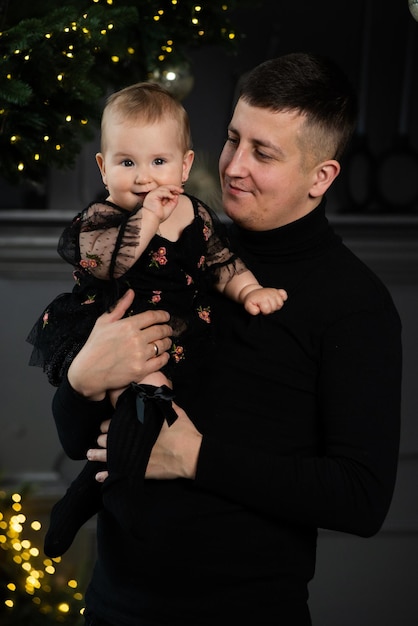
(57, 63)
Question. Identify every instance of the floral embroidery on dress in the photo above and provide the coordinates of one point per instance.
(76, 277)
(177, 352)
(156, 297)
(159, 257)
(201, 262)
(204, 314)
(90, 299)
(206, 231)
(189, 280)
(92, 261)
(45, 318)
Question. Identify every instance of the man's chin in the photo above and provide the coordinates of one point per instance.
(232, 208)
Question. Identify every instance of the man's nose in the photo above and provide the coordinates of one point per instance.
(237, 165)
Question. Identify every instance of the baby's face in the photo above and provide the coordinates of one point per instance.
(139, 157)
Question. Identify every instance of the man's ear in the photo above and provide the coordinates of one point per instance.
(326, 173)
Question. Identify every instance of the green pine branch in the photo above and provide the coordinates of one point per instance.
(56, 65)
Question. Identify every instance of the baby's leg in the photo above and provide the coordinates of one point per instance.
(156, 379)
(81, 501)
(154, 393)
(135, 426)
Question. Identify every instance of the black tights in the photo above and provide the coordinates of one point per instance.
(91, 620)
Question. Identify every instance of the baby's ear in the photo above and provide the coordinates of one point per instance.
(187, 164)
(101, 163)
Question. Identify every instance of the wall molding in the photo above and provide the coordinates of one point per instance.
(387, 243)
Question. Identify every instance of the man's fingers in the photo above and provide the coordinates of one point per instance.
(149, 318)
(122, 305)
(102, 440)
(97, 454)
(101, 476)
(104, 426)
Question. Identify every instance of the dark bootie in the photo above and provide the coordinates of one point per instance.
(139, 416)
(82, 500)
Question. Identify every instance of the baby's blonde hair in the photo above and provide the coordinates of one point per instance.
(150, 103)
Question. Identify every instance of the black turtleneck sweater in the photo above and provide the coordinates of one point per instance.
(300, 420)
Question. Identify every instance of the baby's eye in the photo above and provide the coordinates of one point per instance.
(127, 162)
(159, 161)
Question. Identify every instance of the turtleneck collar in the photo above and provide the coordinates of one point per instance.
(296, 239)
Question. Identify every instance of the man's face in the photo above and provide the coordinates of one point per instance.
(266, 179)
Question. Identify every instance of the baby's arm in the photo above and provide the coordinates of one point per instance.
(245, 288)
(95, 244)
(232, 277)
(158, 205)
(162, 201)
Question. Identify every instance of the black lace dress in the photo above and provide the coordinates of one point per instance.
(170, 275)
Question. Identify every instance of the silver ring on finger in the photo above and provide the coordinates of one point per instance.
(156, 350)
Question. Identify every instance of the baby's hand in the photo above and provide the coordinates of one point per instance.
(162, 201)
(264, 300)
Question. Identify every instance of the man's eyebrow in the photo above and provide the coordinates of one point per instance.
(269, 145)
(262, 143)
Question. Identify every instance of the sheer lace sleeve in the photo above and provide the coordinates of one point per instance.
(222, 262)
(108, 239)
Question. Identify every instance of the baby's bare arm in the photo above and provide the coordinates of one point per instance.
(256, 299)
(264, 300)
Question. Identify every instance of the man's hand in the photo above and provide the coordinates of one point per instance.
(100, 454)
(174, 455)
(176, 451)
(120, 351)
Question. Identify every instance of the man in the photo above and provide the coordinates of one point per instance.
(295, 424)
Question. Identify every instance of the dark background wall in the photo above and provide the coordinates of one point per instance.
(358, 582)
(374, 41)
(328, 27)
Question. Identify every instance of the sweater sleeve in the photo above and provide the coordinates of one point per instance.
(78, 420)
(347, 484)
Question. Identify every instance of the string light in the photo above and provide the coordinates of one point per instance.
(30, 583)
(80, 47)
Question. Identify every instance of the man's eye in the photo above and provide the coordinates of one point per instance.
(231, 140)
(262, 155)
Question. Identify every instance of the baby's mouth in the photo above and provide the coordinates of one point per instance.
(141, 196)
